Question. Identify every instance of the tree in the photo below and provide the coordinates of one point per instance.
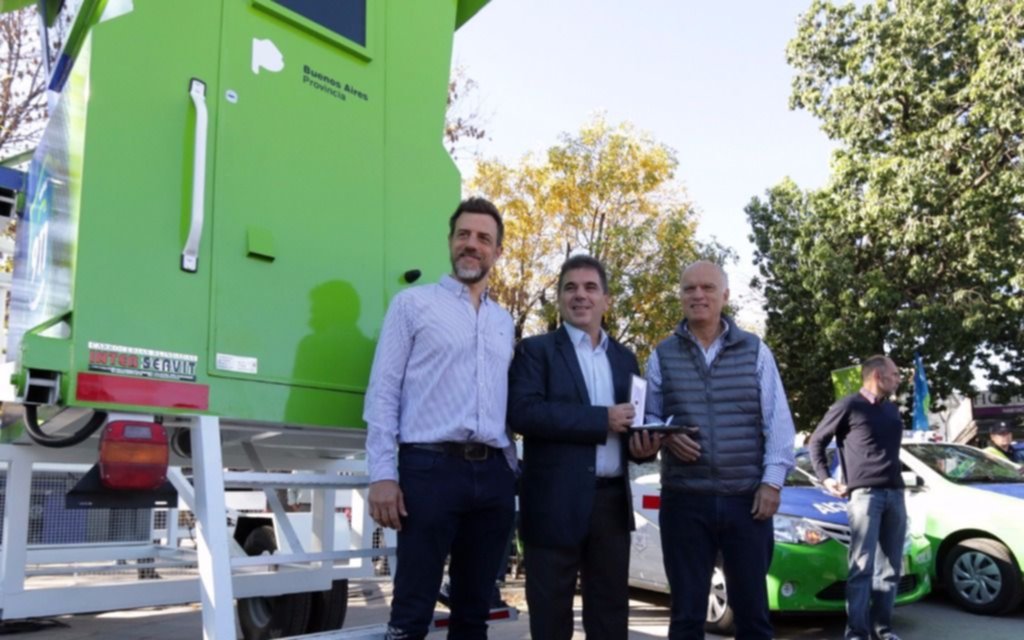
(790, 324)
(608, 191)
(22, 82)
(462, 121)
(917, 242)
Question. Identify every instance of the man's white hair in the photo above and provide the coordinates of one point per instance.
(718, 267)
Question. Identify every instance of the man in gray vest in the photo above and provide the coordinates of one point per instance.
(721, 477)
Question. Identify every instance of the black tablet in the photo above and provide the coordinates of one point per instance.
(660, 428)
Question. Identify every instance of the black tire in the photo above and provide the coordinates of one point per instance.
(267, 617)
(329, 608)
(720, 615)
(980, 576)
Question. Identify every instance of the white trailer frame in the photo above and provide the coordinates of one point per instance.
(225, 572)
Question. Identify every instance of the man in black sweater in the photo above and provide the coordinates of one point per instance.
(868, 431)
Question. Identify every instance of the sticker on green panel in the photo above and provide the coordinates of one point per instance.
(332, 86)
(144, 363)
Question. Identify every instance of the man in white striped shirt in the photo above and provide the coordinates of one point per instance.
(721, 477)
(442, 468)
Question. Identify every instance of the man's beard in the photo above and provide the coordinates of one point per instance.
(468, 275)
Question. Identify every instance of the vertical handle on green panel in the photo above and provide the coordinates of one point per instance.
(190, 254)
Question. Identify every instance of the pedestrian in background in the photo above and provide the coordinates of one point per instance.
(868, 432)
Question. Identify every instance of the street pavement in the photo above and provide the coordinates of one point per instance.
(931, 619)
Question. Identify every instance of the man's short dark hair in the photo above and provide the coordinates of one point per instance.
(871, 365)
(583, 261)
(477, 205)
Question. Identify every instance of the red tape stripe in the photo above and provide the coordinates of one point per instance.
(146, 392)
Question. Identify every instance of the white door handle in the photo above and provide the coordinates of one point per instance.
(190, 254)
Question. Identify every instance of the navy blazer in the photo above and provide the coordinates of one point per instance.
(549, 405)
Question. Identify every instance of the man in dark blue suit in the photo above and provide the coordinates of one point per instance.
(569, 394)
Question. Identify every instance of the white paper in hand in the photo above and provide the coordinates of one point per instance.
(638, 398)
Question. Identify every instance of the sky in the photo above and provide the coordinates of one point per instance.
(708, 79)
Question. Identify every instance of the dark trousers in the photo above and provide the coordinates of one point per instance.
(695, 529)
(459, 507)
(602, 562)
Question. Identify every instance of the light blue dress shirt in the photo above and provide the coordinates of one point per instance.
(597, 374)
(440, 374)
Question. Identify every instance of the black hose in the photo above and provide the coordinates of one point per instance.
(45, 439)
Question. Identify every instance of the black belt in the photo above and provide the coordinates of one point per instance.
(464, 450)
(604, 483)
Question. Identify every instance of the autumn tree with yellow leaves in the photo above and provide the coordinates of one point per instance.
(609, 191)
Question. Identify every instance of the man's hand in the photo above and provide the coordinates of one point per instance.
(683, 447)
(620, 416)
(836, 488)
(387, 505)
(766, 502)
(644, 444)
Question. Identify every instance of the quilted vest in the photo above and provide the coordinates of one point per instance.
(724, 400)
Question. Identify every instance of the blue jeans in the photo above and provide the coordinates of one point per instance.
(695, 529)
(459, 507)
(878, 528)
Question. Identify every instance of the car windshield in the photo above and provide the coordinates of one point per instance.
(798, 477)
(962, 464)
(802, 475)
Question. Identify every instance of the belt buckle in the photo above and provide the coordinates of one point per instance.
(475, 451)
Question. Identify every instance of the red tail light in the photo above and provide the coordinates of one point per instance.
(651, 502)
(133, 455)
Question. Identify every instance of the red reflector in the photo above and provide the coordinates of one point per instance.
(651, 502)
(499, 614)
(142, 392)
(133, 455)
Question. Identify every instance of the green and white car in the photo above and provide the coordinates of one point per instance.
(971, 508)
(809, 568)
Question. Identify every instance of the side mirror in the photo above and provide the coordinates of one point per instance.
(912, 480)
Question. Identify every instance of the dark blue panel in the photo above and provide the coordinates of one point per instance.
(12, 179)
(345, 17)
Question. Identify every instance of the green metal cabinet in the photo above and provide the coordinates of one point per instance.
(325, 183)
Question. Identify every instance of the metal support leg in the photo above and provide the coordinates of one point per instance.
(212, 531)
(14, 552)
(361, 530)
(323, 524)
(173, 535)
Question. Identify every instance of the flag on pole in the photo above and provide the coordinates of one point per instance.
(922, 397)
(846, 381)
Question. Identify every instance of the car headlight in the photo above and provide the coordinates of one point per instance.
(798, 531)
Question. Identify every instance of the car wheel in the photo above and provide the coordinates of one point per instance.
(720, 617)
(980, 576)
(265, 617)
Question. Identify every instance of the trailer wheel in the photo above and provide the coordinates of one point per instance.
(329, 608)
(265, 617)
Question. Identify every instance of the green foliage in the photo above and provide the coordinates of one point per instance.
(917, 242)
(609, 191)
(22, 82)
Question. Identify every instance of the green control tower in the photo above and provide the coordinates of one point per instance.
(226, 197)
